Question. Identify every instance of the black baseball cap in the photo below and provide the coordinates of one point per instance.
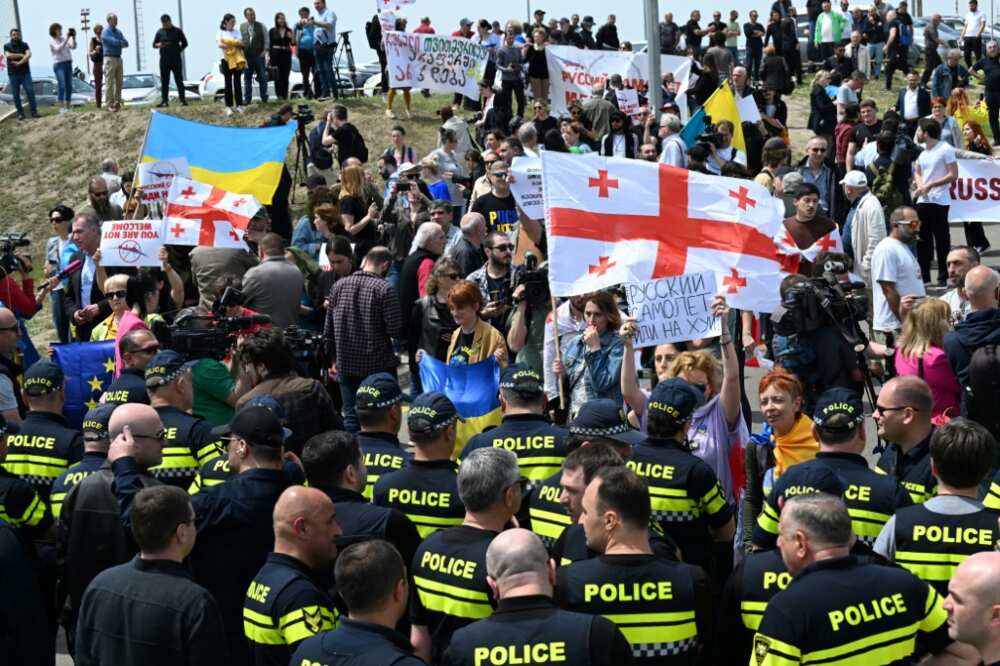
(539, 11)
(603, 417)
(95, 421)
(429, 413)
(838, 401)
(377, 392)
(165, 366)
(675, 398)
(42, 378)
(522, 380)
(258, 425)
(268, 401)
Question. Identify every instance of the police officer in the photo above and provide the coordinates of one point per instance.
(95, 453)
(903, 415)
(286, 603)
(425, 490)
(189, 441)
(663, 608)
(838, 469)
(136, 348)
(448, 574)
(538, 444)
(371, 579)
(526, 626)
(379, 406)
(687, 500)
(21, 508)
(754, 581)
(837, 608)
(45, 446)
(931, 539)
(25, 636)
(600, 420)
(334, 464)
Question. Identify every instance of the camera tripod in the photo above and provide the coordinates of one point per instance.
(344, 50)
(299, 170)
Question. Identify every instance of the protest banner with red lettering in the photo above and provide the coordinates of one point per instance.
(131, 242)
(975, 196)
(435, 62)
(573, 72)
(628, 102)
(155, 178)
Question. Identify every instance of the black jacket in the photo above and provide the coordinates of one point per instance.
(409, 283)
(607, 145)
(25, 638)
(822, 112)
(428, 324)
(923, 103)
(72, 300)
(607, 37)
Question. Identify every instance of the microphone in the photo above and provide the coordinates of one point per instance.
(71, 267)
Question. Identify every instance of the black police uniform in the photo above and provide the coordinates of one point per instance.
(532, 630)
(189, 443)
(44, 448)
(129, 387)
(426, 492)
(931, 545)
(842, 611)
(684, 493)
(356, 643)
(571, 546)
(448, 587)
(359, 520)
(754, 581)
(991, 500)
(383, 454)
(547, 517)
(538, 445)
(20, 505)
(25, 636)
(663, 608)
(912, 469)
(805, 478)
(92, 461)
(284, 605)
(212, 472)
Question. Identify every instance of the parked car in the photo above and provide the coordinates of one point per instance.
(45, 92)
(213, 84)
(945, 32)
(956, 23)
(808, 64)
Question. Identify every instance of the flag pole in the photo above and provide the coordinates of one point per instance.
(555, 333)
(138, 162)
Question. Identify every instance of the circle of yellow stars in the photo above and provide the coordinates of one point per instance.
(96, 384)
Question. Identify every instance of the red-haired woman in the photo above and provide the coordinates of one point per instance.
(474, 340)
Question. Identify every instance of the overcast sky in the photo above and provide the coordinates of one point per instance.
(201, 20)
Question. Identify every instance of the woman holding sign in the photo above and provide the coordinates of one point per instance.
(592, 360)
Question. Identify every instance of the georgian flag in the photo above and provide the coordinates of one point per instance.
(200, 214)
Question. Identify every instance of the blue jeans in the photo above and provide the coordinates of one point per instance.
(255, 65)
(393, 276)
(64, 77)
(59, 318)
(325, 84)
(875, 55)
(18, 80)
(348, 389)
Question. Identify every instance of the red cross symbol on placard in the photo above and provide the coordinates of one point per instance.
(826, 243)
(604, 264)
(188, 192)
(602, 183)
(743, 198)
(673, 228)
(177, 230)
(734, 282)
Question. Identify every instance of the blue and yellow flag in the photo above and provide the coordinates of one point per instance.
(475, 390)
(243, 160)
(722, 106)
(89, 369)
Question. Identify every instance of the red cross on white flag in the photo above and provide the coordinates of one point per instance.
(200, 214)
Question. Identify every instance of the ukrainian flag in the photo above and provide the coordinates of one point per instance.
(475, 390)
(236, 159)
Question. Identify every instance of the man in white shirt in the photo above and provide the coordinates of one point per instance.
(961, 260)
(933, 172)
(912, 104)
(674, 149)
(972, 34)
(725, 152)
(896, 271)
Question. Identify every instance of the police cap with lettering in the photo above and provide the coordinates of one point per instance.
(675, 398)
(838, 401)
(377, 392)
(257, 425)
(603, 417)
(165, 366)
(95, 421)
(268, 401)
(522, 380)
(42, 378)
(429, 413)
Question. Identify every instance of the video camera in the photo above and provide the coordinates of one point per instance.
(535, 281)
(9, 261)
(303, 115)
(821, 302)
(208, 336)
(307, 350)
(709, 136)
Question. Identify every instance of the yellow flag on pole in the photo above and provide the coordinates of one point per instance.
(722, 106)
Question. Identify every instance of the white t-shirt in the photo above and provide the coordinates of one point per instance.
(893, 262)
(911, 104)
(975, 23)
(228, 34)
(826, 31)
(845, 96)
(933, 164)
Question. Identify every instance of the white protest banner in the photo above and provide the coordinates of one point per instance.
(628, 102)
(975, 195)
(131, 243)
(573, 72)
(387, 20)
(527, 186)
(435, 62)
(389, 5)
(747, 107)
(155, 178)
(673, 309)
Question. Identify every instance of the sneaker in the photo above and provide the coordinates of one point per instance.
(240, 109)
(390, 114)
(983, 249)
(20, 116)
(409, 116)
(229, 110)
(162, 105)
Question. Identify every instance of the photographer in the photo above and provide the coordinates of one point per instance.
(265, 362)
(407, 207)
(215, 392)
(343, 137)
(721, 148)
(526, 328)
(19, 298)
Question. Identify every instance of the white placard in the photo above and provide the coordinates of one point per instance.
(975, 195)
(628, 102)
(673, 309)
(747, 106)
(435, 62)
(155, 178)
(131, 242)
(527, 186)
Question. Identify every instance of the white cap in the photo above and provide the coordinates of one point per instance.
(855, 179)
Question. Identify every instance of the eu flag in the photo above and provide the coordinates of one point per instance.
(473, 388)
(89, 368)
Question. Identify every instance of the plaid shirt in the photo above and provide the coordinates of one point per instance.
(362, 319)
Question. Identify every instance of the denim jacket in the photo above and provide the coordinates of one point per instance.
(941, 83)
(603, 367)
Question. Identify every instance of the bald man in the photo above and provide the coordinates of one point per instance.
(973, 605)
(526, 621)
(287, 601)
(12, 406)
(981, 326)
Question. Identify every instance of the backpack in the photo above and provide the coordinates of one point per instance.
(983, 389)
(319, 154)
(905, 34)
(884, 189)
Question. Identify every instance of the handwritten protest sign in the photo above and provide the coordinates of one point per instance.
(527, 186)
(673, 309)
(155, 178)
(628, 102)
(131, 242)
(435, 62)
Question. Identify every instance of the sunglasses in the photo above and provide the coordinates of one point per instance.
(817, 150)
(159, 436)
(116, 294)
(880, 408)
(503, 248)
(152, 349)
(10, 328)
(500, 174)
(56, 220)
